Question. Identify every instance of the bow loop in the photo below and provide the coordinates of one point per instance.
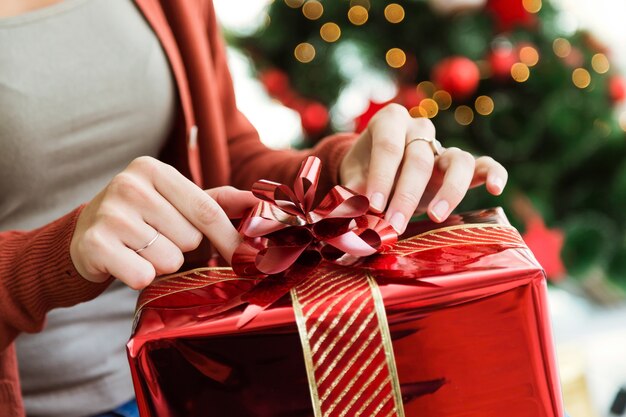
(284, 229)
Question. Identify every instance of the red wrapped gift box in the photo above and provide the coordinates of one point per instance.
(464, 332)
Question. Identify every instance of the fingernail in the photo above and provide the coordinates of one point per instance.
(398, 221)
(497, 183)
(440, 210)
(377, 201)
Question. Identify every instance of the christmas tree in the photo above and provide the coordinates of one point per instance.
(498, 78)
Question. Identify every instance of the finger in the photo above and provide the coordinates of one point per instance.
(459, 171)
(490, 172)
(154, 247)
(127, 266)
(194, 204)
(153, 209)
(388, 134)
(416, 171)
(234, 202)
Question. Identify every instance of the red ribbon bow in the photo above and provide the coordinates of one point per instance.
(284, 229)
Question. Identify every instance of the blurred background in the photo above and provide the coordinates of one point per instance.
(539, 85)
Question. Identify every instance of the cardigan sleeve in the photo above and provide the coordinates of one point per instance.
(249, 158)
(37, 274)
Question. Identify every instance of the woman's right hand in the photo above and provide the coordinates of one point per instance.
(149, 197)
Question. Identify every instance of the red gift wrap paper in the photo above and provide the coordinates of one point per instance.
(452, 321)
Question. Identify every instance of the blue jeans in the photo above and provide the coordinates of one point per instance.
(128, 409)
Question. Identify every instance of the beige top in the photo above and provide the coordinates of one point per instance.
(84, 88)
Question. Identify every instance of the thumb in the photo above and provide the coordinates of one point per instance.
(234, 202)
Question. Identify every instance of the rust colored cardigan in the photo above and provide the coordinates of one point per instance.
(212, 143)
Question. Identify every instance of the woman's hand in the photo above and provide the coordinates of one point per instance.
(151, 203)
(409, 178)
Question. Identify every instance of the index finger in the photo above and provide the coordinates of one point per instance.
(198, 207)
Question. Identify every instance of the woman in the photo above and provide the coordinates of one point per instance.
(130, 106)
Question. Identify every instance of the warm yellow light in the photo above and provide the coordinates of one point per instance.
(330, 32)
(394, 13)
(312, 9)
(443, 99)
(415, 111)
(520, 72)
(600, 63)
(428, 108)
(358, 15)
(464, 115)
(427, 88)
(304, 52)
(294, 4)
(581, 78)
(484, 105)
(528, 55)
(532, 6)
(561, 47)
(395, 57)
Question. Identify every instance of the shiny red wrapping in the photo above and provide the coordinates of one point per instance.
(469, 325)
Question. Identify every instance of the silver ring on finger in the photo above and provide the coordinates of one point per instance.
(150, 243)
(434, 144)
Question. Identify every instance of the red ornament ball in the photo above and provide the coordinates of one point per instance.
(276, 82)
(314, 118)
(457, 75)
(509, 14)
(409, 96)
(617, 89)
(500, 61)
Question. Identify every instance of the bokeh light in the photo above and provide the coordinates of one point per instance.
(443, 99)
(304, 52)
(484, 105)
(330, 32)
(529, 56)
(600, 63)
(428, 108)
(581, 78)
(464, 115)
(395, 57)
(561, 47)
(394, 13)
(358, 15)
(312, 9)
(520, 72)
(532, 6)
(294, 3)
(427, 88)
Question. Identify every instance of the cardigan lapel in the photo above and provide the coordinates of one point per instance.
(153, 12)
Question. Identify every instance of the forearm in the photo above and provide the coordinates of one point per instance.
(37, 275)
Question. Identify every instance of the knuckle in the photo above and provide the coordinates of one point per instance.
(408, 199)
(207, 211)
(144, 164)
(426, 127)
(140, 279)
(396, 110)
(455, 192)
(422, 161)
(124, 185)
(390, 147)
(192, 241)
(93, 240)
(172, 262)
(467, 158)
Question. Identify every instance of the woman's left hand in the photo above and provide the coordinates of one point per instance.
(405, 176)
